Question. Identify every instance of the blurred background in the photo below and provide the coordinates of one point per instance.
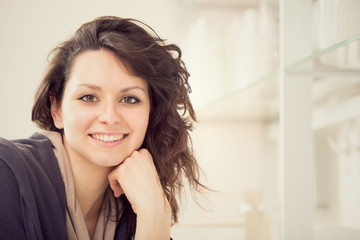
(276, 87)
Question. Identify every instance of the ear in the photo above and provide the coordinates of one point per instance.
(56, 113)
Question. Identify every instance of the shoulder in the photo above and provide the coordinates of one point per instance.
(7, 147)
(8, 184)
(32, 165)
(27, 147)
(10, 157)
(11, 218)
(20, 171)
(21, 156)
(32, 190)
(29, 153)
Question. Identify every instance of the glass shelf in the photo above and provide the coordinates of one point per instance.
(259, 100)
(291, 67)
(246, 104)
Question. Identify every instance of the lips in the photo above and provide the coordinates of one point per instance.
(108, 138)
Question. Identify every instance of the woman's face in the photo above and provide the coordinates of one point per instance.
(104, 111)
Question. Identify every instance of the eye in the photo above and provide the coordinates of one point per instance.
(88, 98)
(130, 100)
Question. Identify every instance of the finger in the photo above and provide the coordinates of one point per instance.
(115, 186)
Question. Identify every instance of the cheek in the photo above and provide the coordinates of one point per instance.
(77, 118)
(140, 121)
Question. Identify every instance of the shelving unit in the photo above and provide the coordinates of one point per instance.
(248, 103)
(329, 98)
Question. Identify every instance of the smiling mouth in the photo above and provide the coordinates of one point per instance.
(108, 138)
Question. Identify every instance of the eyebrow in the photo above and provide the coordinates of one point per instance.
(124, 90)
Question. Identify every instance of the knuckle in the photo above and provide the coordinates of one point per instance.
(135, 153)
(144, 151)
(121, 170)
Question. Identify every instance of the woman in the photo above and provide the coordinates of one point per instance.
(109, 162)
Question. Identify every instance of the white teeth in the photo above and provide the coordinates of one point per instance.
(108, 138)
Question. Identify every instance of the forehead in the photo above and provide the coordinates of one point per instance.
(102, 67)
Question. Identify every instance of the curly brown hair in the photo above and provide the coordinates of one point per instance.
(171, 116)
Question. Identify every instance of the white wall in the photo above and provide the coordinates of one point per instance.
(338, 168)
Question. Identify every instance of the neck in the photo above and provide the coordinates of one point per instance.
(90, 182)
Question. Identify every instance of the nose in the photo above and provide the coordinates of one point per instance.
(110, 114)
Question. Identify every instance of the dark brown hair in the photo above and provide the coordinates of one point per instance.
(147, 56)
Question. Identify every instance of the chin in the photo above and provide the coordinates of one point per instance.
(107, 163)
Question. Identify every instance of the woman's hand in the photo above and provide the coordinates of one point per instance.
(137, 178)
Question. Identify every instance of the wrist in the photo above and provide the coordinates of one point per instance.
(154, 223)
(153, 208)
